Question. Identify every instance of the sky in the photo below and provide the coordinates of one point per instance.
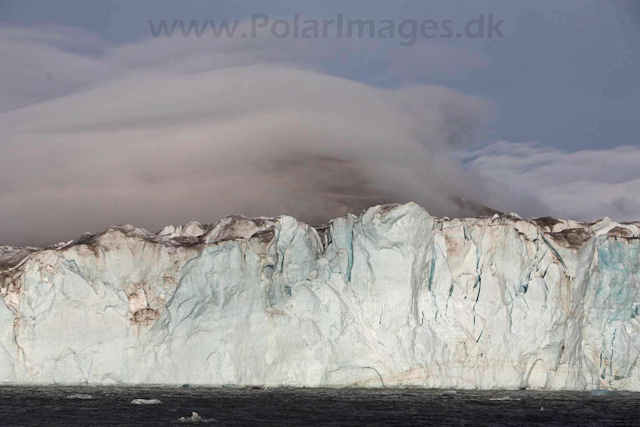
(102, 123)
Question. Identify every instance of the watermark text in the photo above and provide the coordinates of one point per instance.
(408, 30)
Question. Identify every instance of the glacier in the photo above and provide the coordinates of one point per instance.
(392, 298)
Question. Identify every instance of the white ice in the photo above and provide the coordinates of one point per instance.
(394, 297)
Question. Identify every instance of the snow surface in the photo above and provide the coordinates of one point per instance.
(394, 297)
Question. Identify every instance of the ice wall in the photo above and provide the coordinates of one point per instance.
(393, 297)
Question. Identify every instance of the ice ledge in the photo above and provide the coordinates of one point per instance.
(241, 227)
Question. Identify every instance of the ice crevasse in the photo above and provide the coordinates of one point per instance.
(393, 297)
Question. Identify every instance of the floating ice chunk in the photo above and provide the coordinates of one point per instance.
(505, 398)
(195, 418)
(80, 396)
(145, 402)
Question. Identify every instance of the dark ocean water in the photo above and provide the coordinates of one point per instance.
(111, 406)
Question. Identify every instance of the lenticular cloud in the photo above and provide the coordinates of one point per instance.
(152, 143)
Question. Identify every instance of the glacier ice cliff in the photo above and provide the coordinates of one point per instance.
(393, 297)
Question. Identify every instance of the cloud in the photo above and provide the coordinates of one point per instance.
(45, 63)
(168, 131)
(587, 184)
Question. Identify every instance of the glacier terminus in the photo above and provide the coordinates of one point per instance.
(391, 298)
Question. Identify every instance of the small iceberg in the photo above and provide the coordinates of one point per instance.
(504, 398)
(81, 396)
(145, 402)
(195, 418)
(449, 393)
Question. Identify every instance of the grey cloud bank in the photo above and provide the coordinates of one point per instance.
(585, 184)
(170, 130)
(157, 142)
